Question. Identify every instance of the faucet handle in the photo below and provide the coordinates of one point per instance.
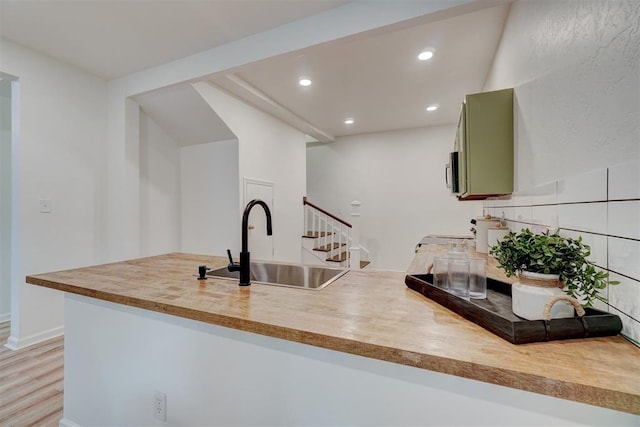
(232, 265)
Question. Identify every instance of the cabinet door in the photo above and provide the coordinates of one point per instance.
(488, 144)
(460, 147)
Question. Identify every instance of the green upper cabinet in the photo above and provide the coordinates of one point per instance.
(484, 142)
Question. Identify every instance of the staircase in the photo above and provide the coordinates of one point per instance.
(329, 240)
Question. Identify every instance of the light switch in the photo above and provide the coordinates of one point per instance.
(45, 205)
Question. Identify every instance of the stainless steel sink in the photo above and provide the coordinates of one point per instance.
(293, 276)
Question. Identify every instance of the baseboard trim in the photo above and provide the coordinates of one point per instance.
(14, 343)
(5, 317)
(67, 423)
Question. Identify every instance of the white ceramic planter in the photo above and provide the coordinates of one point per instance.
(534, 291)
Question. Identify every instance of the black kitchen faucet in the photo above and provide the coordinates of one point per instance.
(244, 267)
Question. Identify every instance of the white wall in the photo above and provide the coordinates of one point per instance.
(575, 68)
(268, 150)
(80, 152)
(216, 376)
(57, 156)
(121, 226)
(209, 187)
(399, 179)
(5, 200)
(160, 190)
(188, 195)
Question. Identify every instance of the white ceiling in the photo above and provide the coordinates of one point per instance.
(372, 77)
(112, 38)
(376, 78)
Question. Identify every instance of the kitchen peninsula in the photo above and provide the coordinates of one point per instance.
(366, 350)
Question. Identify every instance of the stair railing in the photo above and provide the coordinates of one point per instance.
(354, 247)
(332, 232)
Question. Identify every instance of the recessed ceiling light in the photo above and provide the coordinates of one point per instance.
(304, 82)
(433, 107)
(424, 55)
(348, 121)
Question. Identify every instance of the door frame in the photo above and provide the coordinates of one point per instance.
(9, 222)
(245, 182)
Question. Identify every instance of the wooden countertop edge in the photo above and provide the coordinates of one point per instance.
(607, 398)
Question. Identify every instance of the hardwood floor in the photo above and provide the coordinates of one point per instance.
(30, 383)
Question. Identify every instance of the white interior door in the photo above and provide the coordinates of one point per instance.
(260, 245)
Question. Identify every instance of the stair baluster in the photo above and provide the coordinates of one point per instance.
(334, 237)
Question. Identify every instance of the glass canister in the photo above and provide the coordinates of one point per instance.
(459, 277)
(477, 278)
(441, 272)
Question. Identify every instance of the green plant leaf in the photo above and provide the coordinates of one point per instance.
(552, 253)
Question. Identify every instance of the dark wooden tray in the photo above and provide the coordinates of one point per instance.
(495, 315)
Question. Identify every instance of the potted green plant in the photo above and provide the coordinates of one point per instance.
(546, 265)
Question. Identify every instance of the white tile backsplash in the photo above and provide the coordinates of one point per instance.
(584, 217)
(624, 219)
(519, 199)
(624, 181)
(504, 212)
(596, 242)
(545, 194)
(522, 214)
(624, 257)
(588, 187)
(578, 206)
(517, 227)
(624, 297)
(545, 215)
(602, 305)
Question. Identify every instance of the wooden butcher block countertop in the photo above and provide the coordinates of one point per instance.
(372, 314)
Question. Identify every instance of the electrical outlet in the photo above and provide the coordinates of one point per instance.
(45, 206)
(160, 406)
